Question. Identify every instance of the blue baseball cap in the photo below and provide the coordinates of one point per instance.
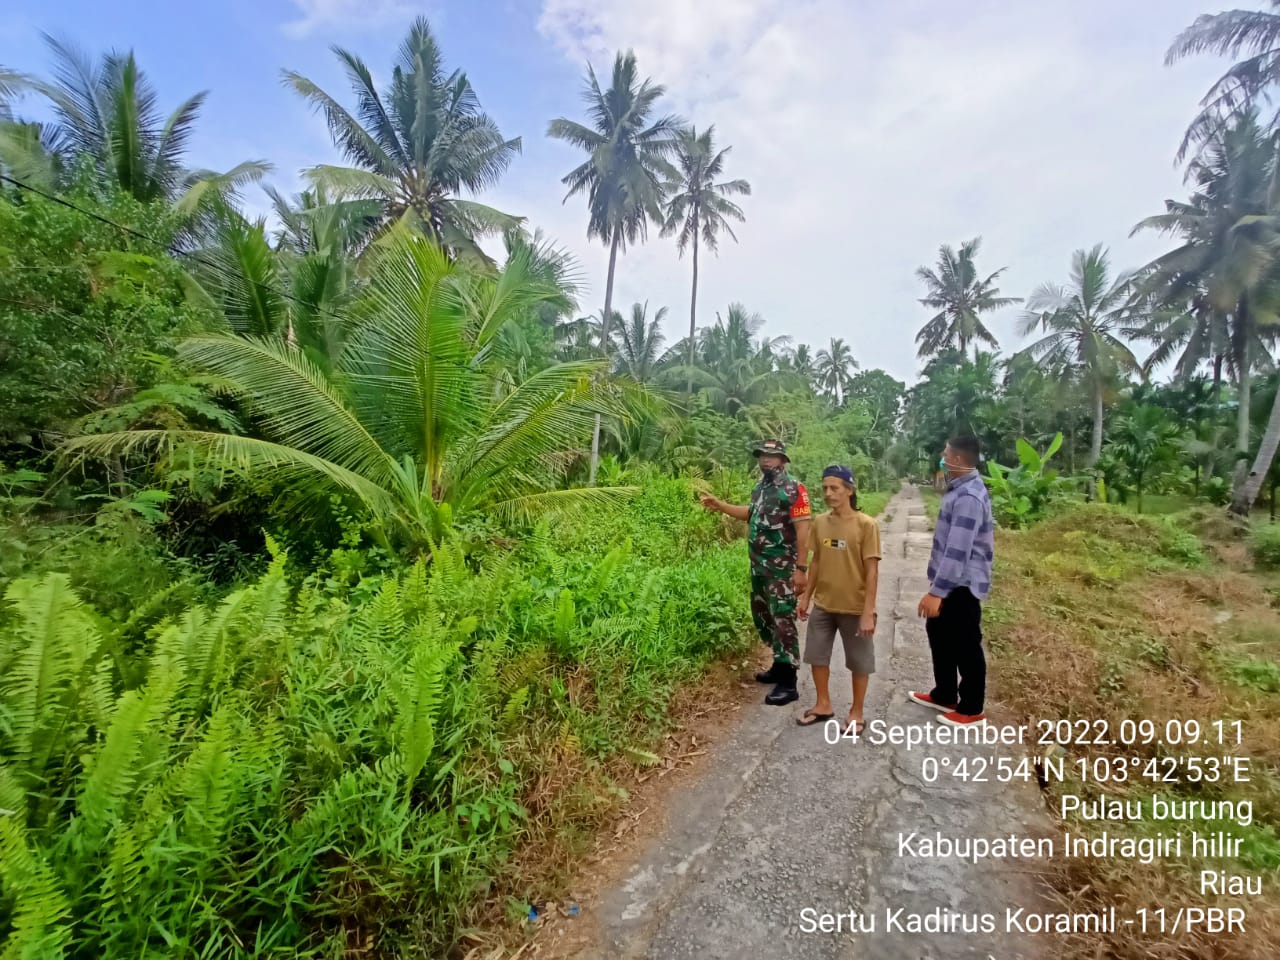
(841, 471)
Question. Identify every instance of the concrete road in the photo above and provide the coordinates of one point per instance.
(786, 827)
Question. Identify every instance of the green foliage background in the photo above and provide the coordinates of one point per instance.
(84, 309)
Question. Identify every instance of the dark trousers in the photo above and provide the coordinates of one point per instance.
(955, 640)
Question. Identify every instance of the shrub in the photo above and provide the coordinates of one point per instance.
(82, 308)
(119, 564)
(1264, 545)
(338, 759)
(1217, 490)
(1260, 674)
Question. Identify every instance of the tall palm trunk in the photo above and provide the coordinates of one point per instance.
(1095, 444)
(1242, 420)
(604, 346)
(693, 306)
(1246, 492)
(1244, 377)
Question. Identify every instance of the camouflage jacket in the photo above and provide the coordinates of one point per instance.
(775, 506)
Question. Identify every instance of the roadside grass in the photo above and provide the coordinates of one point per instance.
(932, 500)
(873, 503)
(1159, 504)
(1100, 614)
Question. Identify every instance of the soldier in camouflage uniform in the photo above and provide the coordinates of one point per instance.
(778, 519)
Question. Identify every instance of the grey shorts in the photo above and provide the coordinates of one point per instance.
(820, 637)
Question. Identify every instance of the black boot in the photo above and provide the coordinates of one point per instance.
(785, 692)
(773, 674)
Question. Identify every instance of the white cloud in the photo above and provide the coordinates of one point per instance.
(874, 132)
(346, 13)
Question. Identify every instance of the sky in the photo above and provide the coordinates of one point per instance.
(871, 131)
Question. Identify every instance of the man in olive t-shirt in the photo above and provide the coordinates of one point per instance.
(843, 577)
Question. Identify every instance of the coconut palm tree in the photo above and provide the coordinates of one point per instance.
(801, 361)
(21, 143)
(107, 111)
(1227, 255)
(960, 296)
(530, 342)
(699, 207)
(798, 366)
(833, 368)
(1245, 83)
(417, 146)
(733, 367)
(1081, 323)
(625, 172)
(641, 348)
(408, 422)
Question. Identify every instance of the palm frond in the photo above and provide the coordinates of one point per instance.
(294, 400)
(352, 139)
(246, 456)
(207, 187)
(350, 182)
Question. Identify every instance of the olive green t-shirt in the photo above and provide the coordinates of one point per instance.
(841, 549)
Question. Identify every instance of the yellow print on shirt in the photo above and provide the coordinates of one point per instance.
(835, 544)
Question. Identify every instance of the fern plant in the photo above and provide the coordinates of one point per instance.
(308, 760)
(54, 679)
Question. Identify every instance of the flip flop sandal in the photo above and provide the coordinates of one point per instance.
(809, 718)
(857, 726)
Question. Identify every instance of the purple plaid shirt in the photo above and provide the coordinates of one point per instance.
(963, 539)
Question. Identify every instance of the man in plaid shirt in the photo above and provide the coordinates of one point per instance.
(960, 574)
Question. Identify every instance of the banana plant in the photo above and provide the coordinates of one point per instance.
(1019, 494)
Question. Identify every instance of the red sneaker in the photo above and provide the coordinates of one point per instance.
(956, 719)
(926, 701)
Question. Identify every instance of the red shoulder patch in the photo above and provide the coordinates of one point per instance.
(801, 510)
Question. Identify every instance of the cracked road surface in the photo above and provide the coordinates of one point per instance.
(783, 821)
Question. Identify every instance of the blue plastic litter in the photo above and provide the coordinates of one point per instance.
(573, 909)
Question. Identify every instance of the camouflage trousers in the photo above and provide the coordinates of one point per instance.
(773, 608)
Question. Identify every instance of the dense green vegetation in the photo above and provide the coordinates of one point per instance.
(338, 756)
(345, 551)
